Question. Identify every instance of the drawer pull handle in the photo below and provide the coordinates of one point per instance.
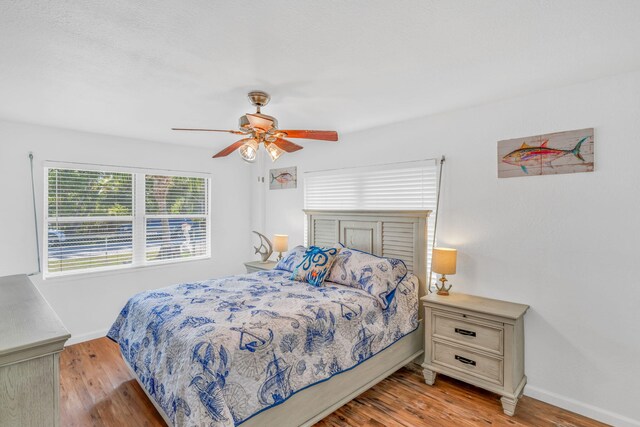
(465, 332)
(465, 360)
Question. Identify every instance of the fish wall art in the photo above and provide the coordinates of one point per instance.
(283, 178)
(549, 154)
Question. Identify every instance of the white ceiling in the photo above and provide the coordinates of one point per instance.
(137, 68)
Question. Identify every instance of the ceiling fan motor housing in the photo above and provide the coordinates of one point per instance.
(245, 125)
(258, 99)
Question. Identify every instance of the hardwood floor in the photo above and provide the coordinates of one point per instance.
(96, 389)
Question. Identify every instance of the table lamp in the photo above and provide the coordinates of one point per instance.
(444, 262)
(280, 244)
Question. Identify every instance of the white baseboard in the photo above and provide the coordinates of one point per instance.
(75, 339)
(581, 408)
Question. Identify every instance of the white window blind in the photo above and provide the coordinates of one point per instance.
(112, 218)
(398, 186)
(176, 217)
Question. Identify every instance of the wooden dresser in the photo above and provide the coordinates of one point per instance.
(31, 338)
(476, 340)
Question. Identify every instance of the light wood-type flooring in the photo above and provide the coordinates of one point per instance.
(96, 389)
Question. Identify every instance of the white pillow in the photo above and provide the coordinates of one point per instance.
(377, 275)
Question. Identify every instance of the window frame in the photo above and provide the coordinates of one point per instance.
(137, 219)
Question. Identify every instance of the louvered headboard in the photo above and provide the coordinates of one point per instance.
(393, 234)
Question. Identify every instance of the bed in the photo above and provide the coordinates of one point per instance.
(262, 349)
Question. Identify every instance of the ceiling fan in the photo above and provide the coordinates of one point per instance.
(258, 128)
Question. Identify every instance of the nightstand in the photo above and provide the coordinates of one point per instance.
(253, 266)
(476, 340)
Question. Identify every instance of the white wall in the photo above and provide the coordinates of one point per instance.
(88, 304)
(567, 245)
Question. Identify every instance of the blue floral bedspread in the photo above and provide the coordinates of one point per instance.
(220, 351)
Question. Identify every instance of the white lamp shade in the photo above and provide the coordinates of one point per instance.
(249, 150)
(444, 260)
(273, 150)
(280, 242)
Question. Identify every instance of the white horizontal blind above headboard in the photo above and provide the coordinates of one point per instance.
(409, 185)
(397, 186)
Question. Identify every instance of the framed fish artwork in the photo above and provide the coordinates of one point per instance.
(549, 154)
(283, 178)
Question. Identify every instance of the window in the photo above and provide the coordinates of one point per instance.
(398, 186)
(110, 218)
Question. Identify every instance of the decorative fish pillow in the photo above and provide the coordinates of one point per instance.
(377, 275)
(315, 265)
(291, 259)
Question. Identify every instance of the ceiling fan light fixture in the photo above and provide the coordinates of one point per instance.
(249, 150)
(274, 151)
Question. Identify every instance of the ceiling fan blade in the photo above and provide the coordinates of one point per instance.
(287, 146)
(230, 149)
(323, 135)
(259, 122)
(235, 132)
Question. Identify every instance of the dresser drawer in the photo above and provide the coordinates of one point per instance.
(482, 366)
(468, 331)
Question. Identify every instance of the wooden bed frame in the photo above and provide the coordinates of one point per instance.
(394, 234)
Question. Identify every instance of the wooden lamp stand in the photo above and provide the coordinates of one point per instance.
(443, 289)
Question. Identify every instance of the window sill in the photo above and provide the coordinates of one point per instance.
(123, 270)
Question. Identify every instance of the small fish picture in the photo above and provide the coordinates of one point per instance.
(549, 154)
(281, 179)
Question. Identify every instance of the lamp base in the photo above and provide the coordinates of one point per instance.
(443, 289)
(279, 256)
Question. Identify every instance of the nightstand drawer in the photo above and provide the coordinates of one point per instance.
(468, 331)
(252, 269)
(254, 266)
(485, 367)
